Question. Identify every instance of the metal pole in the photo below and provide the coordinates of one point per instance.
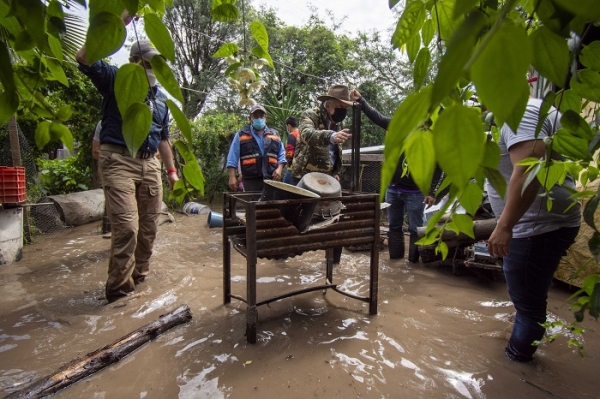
(355, 148)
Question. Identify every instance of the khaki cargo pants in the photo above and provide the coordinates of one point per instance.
(133, 190)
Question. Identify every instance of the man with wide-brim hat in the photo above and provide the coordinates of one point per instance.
(319, 144)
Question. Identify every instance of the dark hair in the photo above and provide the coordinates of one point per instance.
(291, 121)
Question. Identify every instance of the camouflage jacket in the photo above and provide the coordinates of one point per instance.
(312, 148)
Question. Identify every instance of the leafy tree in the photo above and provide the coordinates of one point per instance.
(491, 45)
(309, 58)
(37, 36)
(197, 37)
(211, 137)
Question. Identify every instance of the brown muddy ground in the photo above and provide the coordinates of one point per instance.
(436, 335)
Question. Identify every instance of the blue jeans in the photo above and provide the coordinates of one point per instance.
(287, 177)
(412, 204)
(529, 270)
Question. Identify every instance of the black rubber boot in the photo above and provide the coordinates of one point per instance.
(396, 244)
(413, 251)
(337, 255)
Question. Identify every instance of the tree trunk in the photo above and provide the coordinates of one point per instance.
(112, 353)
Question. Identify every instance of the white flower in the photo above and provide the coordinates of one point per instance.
(259, 84)
(234, 83)
(231, 59)
(246, 75)
(248, 102)
(259, 63)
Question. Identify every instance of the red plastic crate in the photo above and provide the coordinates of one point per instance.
(12, 185)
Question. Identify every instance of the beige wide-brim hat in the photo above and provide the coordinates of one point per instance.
(337, 92)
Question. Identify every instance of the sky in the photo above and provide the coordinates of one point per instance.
(363, 15)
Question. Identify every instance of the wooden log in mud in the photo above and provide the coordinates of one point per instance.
(99, 359)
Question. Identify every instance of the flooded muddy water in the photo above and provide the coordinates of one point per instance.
(436, 335)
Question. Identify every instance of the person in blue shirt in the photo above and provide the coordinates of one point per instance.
(132, 182)
(258, 150)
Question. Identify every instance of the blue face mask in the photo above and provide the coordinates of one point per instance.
(258, 123)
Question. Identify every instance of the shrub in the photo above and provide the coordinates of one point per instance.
(63, 176)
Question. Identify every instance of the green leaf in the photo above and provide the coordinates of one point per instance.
(106, 35)
(23, 42)
(421, 67)
(587, 9)
(56, 19)
(57, 71)
(470, 198)
(550, 55)
(590, 210)
(460, 49)
(191, 170)
(136, 126)
(496, 180)
(42, 134)
(31, 13)
(594, 245)
(459, 143)
(590, 56)
(58, 131)
(506, 97)
(421, 158)
(159, 35)
(231, 69)
(409, 115)
(409, 24)
(442, 248)
(157, 5)
(259, 52)
(550, 175)
(6, 71)
(131, 86)
(595, 302)
(226, 50)
(260, 35)
(463, 7)
(56, 47)
(412, 47)
(64, 113)
(131, 6)
(567, 100)
(443, 16)
(427, 32)
(9, 103)
(491, 155)
(182, 122)
(115, 7)
(576, 124)
(464, 224)
(587, 84)
(570, 145)
(225, 13)
(165, 76)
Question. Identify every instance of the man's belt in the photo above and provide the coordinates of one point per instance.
(124, 151)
